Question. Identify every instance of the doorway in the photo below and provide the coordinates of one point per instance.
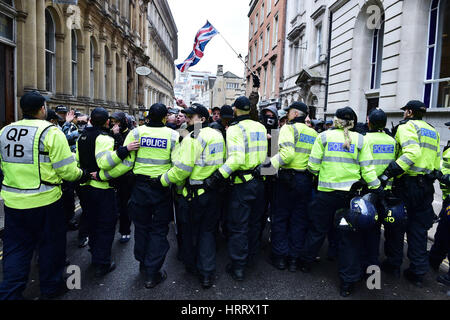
(6, 85)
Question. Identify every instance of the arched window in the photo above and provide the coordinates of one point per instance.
(50, 45)
(91, 68)
(437, 74)
(105, 75)
(377, 56)
(74, 63)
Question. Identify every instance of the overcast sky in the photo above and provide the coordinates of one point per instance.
(229, 17)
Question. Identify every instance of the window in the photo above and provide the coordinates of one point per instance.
(262, 13)
(74, 63)
(251, 30)
(377, 57)
(256, 23)
(91, 70)
(269, 6)
(50, 60)
(318, 42)
(437, 75)
(232, 86)
(273, 78)
(254, 52)
(250, 56)
(260, 46)
(294, 55)
(275, 31)
(265, 82)
(266, 46)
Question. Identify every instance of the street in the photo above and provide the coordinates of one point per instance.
(264, 282)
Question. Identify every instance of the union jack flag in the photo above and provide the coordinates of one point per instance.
(204, 35)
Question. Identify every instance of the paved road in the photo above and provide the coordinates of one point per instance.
(263, 282)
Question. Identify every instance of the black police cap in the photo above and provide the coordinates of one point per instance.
(346, 113)
(226, 112)
(157, 111)
(52, 115)
(299, 106)
(99, 116)
(61, 108)
(378, 118)
(415, 105)
(216, 108)
(242, 103)
(32, 101)
(197, 108)
(447, 124)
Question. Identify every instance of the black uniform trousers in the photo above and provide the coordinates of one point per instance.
(290, 218)
(42, 229)
(417, 194)
(101, 209)
(441, 245)
(358, 249)
(151, 211)
(321, 218)
(198, 219)
(83, 226)
(244, 221)
(68, 198)
(123, 196)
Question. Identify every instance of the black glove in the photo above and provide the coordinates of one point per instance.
(384, 180)
(379, 193)
(85, 177)
(256, 82)
(214, 181)
(393, 170)
(444, 179)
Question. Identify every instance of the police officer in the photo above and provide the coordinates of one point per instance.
(150, 206)
(226, 116)
(247, 149)
(95, 152)
(293, 189)
(384, 151)
(441, 245)
(359, 247)
(419, 158)
(335, 157)
(35, 157)
(119, 131)
(201, 153)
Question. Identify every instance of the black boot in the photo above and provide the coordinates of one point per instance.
(236, 274)
(413, 278)
(156, 279)
(346, 289)
(292, 264)
(206, 281)
(444, 279)
(278, 262)
(390, 269)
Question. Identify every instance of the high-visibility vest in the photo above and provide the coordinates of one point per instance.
(384, 151)
(246, 148)
(157, 144)
(420, 150)
(295, 144)
(199, 157)
(35, 157)
(445, 169)
(339, 168)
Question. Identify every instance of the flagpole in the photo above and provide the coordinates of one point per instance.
(237, 54)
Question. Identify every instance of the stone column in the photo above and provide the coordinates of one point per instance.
(21, 44)
(113, 75)
(81, 49)
(101, 73)
(124, 77)
(29, 48)
(86, 71)
(40, 43)
(61, 73)
(118, 79)
(67, 61)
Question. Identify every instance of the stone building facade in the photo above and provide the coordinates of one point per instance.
(227, 86)
(405, 56)
(86, 55)
(305, 59)
(266, 48)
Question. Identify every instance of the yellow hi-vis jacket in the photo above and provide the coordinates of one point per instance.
(338, 168)
(35, 158)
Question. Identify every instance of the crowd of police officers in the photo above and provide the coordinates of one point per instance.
(342, 183)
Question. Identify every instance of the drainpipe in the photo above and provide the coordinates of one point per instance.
(330, 25)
